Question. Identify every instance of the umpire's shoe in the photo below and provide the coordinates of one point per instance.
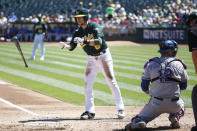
(194, 128)
(87, 116)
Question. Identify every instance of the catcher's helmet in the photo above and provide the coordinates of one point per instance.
(167, 45)
(82, 12)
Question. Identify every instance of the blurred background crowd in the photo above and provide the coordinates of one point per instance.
(111, 14)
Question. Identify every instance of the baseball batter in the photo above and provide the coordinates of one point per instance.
(90, 37)
(168, 78)
(40, 30)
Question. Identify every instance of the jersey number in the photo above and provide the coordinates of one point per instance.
(164, 74)
(97, 47)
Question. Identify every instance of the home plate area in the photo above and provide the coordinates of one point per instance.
(24, 109)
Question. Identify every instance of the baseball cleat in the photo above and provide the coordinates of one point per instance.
(174, 123)
(32, 58)
(174, 119)
(138, 125)
(128, 127)
(87, 116)
(121, 114)
(42, 58)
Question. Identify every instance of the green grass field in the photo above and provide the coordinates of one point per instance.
(61, 75)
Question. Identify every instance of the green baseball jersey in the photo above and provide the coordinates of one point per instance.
(40, 28)
(93, 31)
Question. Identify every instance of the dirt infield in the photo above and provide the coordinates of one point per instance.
(23, 109)
(46, 113)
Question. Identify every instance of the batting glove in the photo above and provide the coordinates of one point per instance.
(62, 45)
(78, 40)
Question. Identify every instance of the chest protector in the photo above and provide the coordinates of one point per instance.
(165, 71)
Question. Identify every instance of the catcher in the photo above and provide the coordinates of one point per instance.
(90, 36)
(168, 78)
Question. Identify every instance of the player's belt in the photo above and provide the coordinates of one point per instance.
(39, 33)
(100, 53)
(161, 99)
(168, 78)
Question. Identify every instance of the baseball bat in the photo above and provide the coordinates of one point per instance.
(16, 42)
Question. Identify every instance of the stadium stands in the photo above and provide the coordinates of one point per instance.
(25, 8)
(126, 15)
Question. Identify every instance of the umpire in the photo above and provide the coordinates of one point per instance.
(192, 43)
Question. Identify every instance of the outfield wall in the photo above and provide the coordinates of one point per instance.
(60, 31)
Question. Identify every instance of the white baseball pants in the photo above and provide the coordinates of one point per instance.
(93, 65)
(39, 38)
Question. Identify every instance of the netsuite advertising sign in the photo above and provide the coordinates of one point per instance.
(164, 34)
(154, 35)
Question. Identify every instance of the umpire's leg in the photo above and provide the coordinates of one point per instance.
(194, 102)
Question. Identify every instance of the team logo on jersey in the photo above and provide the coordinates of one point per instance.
(40, 31)
(38, 27)
(90, 37)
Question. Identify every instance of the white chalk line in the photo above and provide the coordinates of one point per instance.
(3, 83)
(18, 107)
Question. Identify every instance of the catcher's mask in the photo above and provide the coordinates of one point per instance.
(167, 45)
(82, 12)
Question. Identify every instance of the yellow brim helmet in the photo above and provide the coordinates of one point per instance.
(82, 12)
(80, 15)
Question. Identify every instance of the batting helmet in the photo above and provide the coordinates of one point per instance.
(82, 12)
(167, 45)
